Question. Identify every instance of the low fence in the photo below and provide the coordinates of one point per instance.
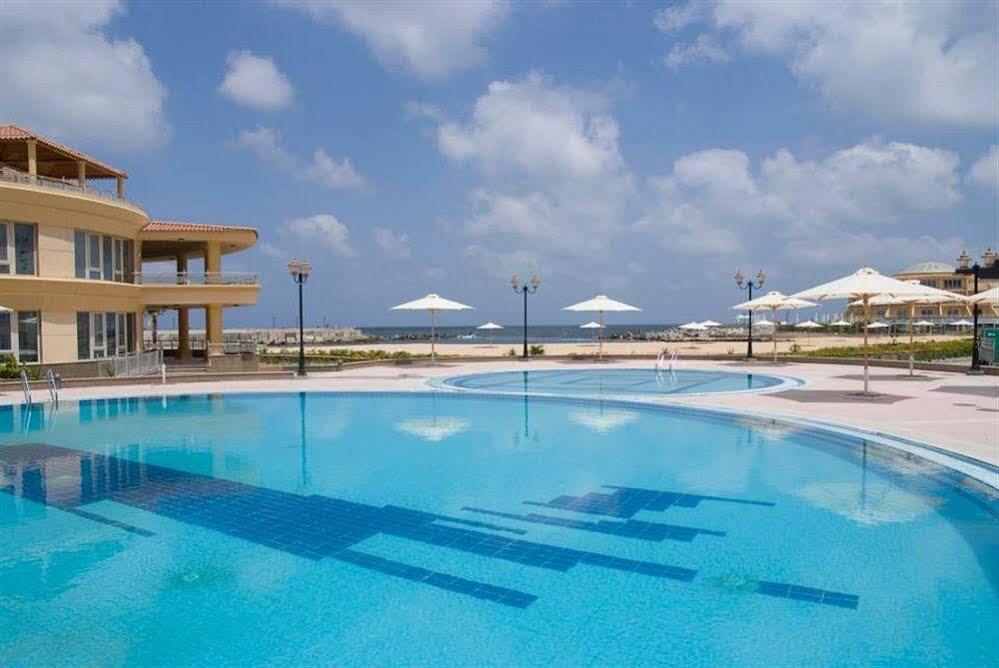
(128, 366)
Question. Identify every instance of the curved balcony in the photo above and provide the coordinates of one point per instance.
(10, 175)
(198, 289)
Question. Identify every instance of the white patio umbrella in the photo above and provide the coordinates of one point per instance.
(601, 304)
(432, 303)
(863, 284)
(878, 325)
(592, 325)
(988, 297)
(693, 327)
(773, 301)
(922, 323)
(841, 323)
(490, 327)
(926, 295)
(808, 324)
(961, 323)
(711, 323)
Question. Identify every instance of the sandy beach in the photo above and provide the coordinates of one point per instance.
(692, 347)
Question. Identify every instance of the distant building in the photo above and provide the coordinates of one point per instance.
(73, 260)
(942, 276)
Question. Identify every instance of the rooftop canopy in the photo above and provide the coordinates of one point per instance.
(53, 159)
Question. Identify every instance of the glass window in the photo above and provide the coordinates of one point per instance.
(107, 259)
(6, 340)
(97, 325)
(122, 345)
(4, 250)
(83, 336)
(112, 339)
(119, 261)
(130, 329)
(24, 248)
(129, 261)
(94, 264)
(80, 251)
(27, 336)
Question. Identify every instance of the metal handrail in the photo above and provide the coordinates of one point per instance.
(26, 388)
(8, 173)
(50, 380)
(200, 278)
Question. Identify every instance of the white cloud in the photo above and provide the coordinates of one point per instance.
(534, 127)
(432, 39)
(255, 81)
(890, 252)
(323, 169)
(501, 265)
(985, 171)
(713, 202)
(679, 16)
(919, 62)
(66, 77)
(551, 163)
(391, 244)
(321, 230)
(704, 49)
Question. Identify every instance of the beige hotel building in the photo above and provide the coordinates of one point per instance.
(73, 248)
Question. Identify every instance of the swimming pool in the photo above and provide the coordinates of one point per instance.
(603, 382)
(458, 529)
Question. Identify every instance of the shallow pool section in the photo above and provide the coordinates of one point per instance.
(470, 530)
(610, 382)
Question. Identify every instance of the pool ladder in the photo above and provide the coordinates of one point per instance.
(50, 381)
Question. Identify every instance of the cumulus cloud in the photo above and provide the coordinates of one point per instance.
(322, 230)
(704, 49)
(713, 201)
(392, 244)
(322, 169)
(868, 249)
(255, 81)
(985, 171)
(551, 163)
(920, 62)
(432, 39)
(65, 76)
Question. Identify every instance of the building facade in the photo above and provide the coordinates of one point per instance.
(73, 288)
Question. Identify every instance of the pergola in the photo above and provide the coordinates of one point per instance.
(38, 156)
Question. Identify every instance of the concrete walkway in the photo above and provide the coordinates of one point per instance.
(951, 411)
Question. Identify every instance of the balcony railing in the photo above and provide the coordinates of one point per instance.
(12, 175)
(198, 278)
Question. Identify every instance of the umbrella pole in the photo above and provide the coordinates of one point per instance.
(773, 316)
(912, 340)
(601, 335)
(433, 336)
(867, 321)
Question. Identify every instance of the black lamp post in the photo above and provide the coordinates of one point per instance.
(525, 289)
(740, 280)
(300, 270)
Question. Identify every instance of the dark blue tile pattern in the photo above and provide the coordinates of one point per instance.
(624, 502)
(807, 594)
(653, 531)
(313, 527)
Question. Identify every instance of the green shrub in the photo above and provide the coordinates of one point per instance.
(537, 350)
(512, 352)
(924, 351)
(10, 367)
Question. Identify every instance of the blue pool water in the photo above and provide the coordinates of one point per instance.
(455, 529)
(614, 382)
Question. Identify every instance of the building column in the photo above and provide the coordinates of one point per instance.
(213, 261)
(183, 334)
(213, 330)
(121, 187)
(32, 161)
(81, 173)
(181, 268)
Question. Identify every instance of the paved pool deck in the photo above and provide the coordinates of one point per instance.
(951, 411)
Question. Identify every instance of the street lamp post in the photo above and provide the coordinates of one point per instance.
(525, 289)
(300, 270)
(740, 280)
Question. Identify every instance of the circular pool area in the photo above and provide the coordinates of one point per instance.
(464, 529)
(616, 382)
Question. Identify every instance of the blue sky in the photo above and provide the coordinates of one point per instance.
(643, 150)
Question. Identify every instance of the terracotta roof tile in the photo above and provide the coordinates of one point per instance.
(183, 226)
(17, 133)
